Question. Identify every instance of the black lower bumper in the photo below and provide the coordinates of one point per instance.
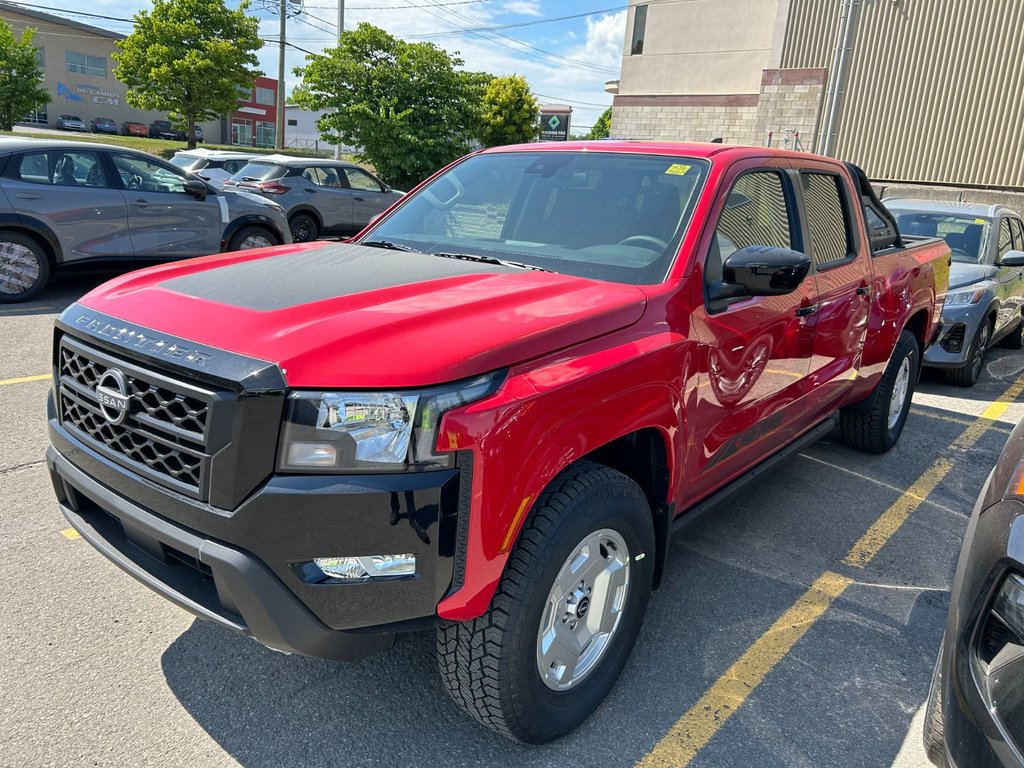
(244, 569)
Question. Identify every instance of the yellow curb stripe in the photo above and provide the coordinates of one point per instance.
(25, 379)
(70, 534)
(696, 728)
(955, 420)
(883, 529)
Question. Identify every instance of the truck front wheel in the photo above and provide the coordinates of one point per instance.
(877, 423)
(566, 613)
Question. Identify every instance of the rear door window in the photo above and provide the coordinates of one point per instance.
(60, 168)
(831, 238)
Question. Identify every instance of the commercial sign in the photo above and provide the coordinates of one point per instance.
(90, 92)
(554, 126)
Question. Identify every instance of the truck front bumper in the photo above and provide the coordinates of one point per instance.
(247, 569)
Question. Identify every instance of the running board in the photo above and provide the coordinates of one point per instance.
(693, 513)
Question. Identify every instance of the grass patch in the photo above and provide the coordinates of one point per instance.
(161, 147)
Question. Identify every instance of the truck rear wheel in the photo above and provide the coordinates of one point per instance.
(566, 613)
(877, 423)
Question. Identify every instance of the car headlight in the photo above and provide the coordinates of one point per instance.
(327, 432)
(962, 298)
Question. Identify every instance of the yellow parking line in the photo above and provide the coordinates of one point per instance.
(24, 379)
(955, 420)
(705, 718)
(70, 534)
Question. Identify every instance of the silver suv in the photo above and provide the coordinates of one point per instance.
(72, 202)
(320, 197)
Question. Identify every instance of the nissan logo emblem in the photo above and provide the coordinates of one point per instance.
(112, 394)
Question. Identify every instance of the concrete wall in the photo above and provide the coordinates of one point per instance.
(789, 107)
(675, 118)
(1014, 200)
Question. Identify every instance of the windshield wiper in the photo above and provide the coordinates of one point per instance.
(389, 245)
(490, 260)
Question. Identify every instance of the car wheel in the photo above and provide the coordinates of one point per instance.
(968, 374)
(24, 268)
(934, 725)
(251, 237)
(304, 228)
(1015, 338)
(566, 612)
(875, 424)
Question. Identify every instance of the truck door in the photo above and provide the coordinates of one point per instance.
(841, 258)
(755, 352)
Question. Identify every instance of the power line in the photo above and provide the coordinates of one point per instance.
(388, 7)
(571, 101)
(518, 24)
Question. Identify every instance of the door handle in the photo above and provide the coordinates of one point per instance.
(140, 203)
(311, 191)
(28, 196)
(360, 199)
(805, 311)
(864, 290)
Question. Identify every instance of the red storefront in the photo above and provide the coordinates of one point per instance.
(254, 123)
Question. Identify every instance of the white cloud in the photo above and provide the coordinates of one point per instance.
(523, 7)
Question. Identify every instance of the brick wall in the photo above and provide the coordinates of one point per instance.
(685, 118)
(789, 104)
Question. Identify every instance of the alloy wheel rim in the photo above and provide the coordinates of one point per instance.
(583, 610)
(899, 392)
(19, 268)
(979, 354)
(255, 241)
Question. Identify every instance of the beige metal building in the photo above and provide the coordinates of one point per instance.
(928, 92)
(78, 71)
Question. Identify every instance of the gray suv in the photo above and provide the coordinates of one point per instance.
(73, 202)
(320, 197)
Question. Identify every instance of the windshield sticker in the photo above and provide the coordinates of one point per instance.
(979, 221)
(677, 169)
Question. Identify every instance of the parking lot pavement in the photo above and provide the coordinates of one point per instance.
(806, 613)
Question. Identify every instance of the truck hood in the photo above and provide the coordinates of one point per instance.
(338, 315)
(961, 274)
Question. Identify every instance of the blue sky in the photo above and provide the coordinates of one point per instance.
(565, 61)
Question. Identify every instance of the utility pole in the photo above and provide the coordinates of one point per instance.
(279, 131)
(341, 28)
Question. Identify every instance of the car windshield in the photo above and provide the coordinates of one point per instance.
(963, 234)
(187, 163)
(617, 217)
(69, 117)
(257, 171)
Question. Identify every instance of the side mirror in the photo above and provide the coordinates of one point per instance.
(196, 188)
(1012, 259)
(385, 188)
(760, 270)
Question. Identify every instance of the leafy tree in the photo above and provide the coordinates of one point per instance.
(19, 76)
(406, 104)
(189, 58)
(509, 112)
(602, 127)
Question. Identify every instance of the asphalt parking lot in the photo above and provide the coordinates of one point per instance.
(797, 625)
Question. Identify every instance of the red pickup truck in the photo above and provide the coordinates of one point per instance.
(488, 413)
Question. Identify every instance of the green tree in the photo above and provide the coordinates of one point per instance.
(509, 112)
(189, 58)
(407, 105)
(602, 127)
(19, 76)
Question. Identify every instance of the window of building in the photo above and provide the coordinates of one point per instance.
(755, 213)
(293, 122)
(84, 64)
(639, 29)
(39, 117)
(831, 239)
(241, 132)
(266, 96)
(266, 134)
(41, 56)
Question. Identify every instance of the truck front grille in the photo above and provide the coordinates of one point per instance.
(165, 434)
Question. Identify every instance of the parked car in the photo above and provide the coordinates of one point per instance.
(199, 134)
(67, 203)
(214, 165)
(162, 129)
(490, 411)
(986, 280)
(103, 125)
(975, 712)
(320, 197)
(131, 128)
(70, 123)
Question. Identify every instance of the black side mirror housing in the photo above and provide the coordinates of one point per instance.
(765, 271)
(1012, 259)
(196, 188)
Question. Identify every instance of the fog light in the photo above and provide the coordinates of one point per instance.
(368, 567)
(312, 455)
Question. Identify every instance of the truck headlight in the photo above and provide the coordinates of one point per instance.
(961, 298)
(332, 431)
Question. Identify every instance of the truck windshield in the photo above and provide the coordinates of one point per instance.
(963, 234)
(617, 217)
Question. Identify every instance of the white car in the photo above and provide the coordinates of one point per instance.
(212, 165)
